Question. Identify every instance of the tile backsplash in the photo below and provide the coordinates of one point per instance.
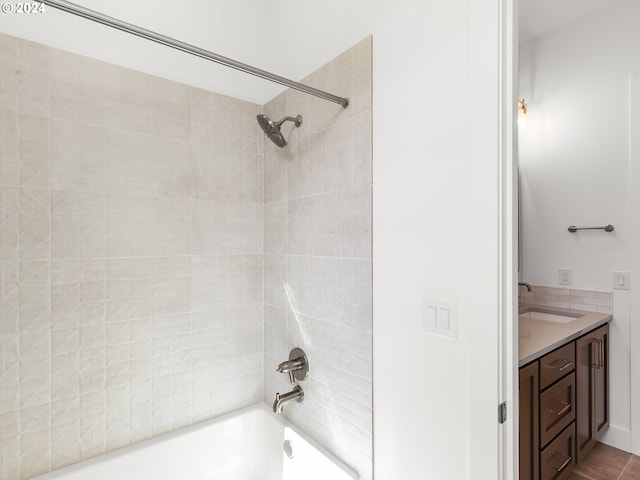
(588, 300)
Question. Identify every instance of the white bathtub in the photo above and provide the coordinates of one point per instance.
(249, 444)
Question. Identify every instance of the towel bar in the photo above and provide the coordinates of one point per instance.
(606, 228)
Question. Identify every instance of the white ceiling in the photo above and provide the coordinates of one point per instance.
(541, 17)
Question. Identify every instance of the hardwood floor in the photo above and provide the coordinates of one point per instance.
(607, 463)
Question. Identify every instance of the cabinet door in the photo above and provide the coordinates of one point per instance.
(585, 436)
(601, 380)
(529, 421)
(592, 388)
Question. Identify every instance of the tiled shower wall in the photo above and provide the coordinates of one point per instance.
(317, 246)
(130, 257)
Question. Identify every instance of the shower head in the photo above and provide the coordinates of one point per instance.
(272, 129)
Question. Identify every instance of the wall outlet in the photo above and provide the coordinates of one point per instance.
(565, 276)
(439, 317)
(621, 280)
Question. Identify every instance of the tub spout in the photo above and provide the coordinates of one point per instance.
(281, 400)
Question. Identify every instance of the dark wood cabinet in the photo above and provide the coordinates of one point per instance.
(528, 393)
(592, 382)
(564, 406)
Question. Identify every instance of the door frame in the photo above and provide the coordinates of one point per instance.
(509, 451)
(494, 93)
(634, 256)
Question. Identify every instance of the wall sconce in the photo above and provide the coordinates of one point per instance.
(522, 108)
(522, 114)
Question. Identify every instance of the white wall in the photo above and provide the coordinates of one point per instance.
(435, 214)
(574, 165)
(634, 158)
(232, 29)
(246, 31)
(435, 204)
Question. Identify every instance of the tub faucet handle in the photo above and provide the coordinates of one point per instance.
(280, 369)
(297, 366)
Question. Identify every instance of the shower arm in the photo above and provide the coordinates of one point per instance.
(297, 120)
(98, 17)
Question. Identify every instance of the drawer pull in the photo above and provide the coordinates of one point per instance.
(600, 363)
(565, 408)
(560, 364)
(565, 464)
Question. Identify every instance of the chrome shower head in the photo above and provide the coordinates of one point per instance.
(272, 129)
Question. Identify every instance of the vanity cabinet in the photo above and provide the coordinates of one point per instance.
(563, 404)
(592, 360)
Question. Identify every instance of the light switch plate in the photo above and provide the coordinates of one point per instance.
(621, 280)
(440, 317)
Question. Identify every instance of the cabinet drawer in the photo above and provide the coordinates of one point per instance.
(557, 408)
(557, 364)
(558, 459)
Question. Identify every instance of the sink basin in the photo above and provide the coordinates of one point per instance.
(550, 317)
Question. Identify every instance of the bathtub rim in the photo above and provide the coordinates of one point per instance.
(168, 436)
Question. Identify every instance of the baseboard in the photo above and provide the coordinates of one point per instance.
(617, 437)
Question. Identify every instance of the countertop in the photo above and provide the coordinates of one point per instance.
(539, 337)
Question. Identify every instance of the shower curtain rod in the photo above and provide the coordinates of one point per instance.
(187, 48)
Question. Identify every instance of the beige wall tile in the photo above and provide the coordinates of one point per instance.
(34, 82)
(275, 228)
(34, 459)
(275, 177)
(94, 92)
(135, 294)
(24, 223)
(220, 228)
(9, 148)
(34, 380)
(209, 172)
(96, 275)
(25, 297)
(9, 74)
(321, 284)
(24, 149)
(92, 158)
(225, 281)
(276, 289)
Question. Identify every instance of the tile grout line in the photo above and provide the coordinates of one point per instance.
(50, 298)
(190, 256)
(625, 467)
